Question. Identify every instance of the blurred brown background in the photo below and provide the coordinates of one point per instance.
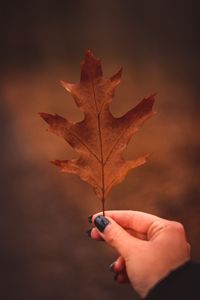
(44, 251)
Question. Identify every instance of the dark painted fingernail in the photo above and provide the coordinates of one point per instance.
(112, 267)
(88, 232)
(90, 219)
(101, 222)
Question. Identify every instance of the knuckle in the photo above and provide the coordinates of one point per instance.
(178, 227)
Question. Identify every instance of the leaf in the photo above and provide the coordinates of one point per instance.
(100, 138)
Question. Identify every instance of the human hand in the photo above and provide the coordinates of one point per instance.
(149, 247)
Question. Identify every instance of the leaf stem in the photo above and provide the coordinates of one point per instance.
(103, 206)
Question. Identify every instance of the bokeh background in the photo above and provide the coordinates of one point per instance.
(44, 251)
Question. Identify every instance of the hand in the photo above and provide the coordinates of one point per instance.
(149, 247)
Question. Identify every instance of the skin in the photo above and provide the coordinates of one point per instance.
(149, 247)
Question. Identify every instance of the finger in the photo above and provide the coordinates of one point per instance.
(135, 220)
(121, 278)
(95, 235)
(115, 235)
(118, 266)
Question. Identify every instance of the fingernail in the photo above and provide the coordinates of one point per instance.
(101, 222)
(112, 267)
(90, 219)
(88, 232)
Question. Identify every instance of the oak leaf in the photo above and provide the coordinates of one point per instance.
(100, 138)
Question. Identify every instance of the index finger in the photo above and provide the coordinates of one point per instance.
(129, 219)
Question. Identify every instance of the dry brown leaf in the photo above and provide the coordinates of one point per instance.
(100, 138)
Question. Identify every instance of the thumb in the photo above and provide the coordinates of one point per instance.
(114, 235)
